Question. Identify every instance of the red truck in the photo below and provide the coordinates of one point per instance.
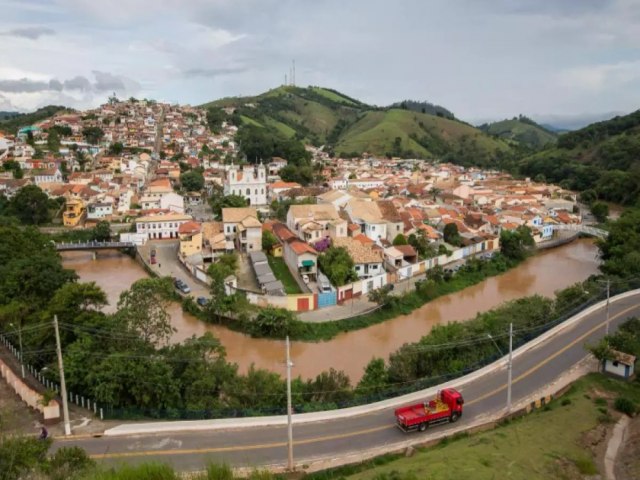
(446, 407)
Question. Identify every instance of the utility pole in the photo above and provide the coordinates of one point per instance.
(63, 385)
(606, 324)
(510, 367)
(289, 423)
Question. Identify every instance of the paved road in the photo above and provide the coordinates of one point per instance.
(533, 370)
(168, 265)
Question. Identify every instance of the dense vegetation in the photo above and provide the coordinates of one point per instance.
(12, 123)
(347, 126)
(522, 130)
(603, 157)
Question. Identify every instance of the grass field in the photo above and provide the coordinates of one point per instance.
(250, 121)
(334, 97)
(554, 442)
(282, 273)
(375, 132)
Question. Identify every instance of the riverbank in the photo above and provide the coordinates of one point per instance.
(352, 351)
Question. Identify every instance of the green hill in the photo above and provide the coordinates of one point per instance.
(522, 130)
(14, 122)
(324, 116)
(603, 157)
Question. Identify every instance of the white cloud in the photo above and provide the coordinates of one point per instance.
(596, 78)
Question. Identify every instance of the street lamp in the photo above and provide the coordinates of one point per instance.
(19, 330)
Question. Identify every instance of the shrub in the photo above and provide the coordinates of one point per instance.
(586, 466)
(624, 405)
(565, 402)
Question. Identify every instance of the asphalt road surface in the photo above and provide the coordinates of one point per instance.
(532, 371)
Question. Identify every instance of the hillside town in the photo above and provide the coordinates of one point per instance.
(133, 164)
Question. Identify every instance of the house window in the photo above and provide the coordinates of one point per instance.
(373, 228)
(615, 363)
(248, 191)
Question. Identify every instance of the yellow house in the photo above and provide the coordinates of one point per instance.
(74, 212)
(276, 250)
(190, 238)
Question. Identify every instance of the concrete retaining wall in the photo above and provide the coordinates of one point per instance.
(50, 413)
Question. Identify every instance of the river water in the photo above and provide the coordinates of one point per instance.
(543, 274)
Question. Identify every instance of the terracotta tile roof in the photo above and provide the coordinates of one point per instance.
(236, 215)
(190, 228)
(359, 252)
(406, 250)
(300, 247)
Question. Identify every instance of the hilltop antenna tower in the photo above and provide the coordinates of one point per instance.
(294, 73)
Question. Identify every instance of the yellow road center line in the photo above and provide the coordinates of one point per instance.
(355, 433)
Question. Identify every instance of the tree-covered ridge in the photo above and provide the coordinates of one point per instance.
(349, 127)
(521, 129)
(15, 122)
(603, 157)
(424, 107)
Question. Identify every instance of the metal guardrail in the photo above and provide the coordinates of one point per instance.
(92, 245)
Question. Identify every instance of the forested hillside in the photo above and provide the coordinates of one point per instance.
(12, 123)
(350, 127)
(603, 157)
(522, 130)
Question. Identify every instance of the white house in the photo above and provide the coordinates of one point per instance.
(313, 223)
(51, 175)
(367, 260)
(366, 183)
(162, 225)
(621, 365)
(242, 229)
(249, 183)
(301, 257)
(99, 210)
(173, 202)
(369, 217)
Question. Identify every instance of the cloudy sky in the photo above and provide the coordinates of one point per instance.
(482, 59)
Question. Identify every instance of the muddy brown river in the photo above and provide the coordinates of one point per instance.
(542, 274)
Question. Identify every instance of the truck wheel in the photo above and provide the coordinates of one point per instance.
(454, 417)
(422, 427)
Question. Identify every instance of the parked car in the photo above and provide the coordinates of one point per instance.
(201, 301)
(305, 278)
(180, 285)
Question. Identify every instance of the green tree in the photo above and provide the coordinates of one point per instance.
(92, 134)
(600, 210)
(30, 205)
(53, 141)
(116, 148)
(218, 201)
(269, 240)
(420, 242)
(330, 387)
(451, 235)
(273, 322)
(374, 380)
(400, 240)
(514, 243)
(102, 232)
(192, 181)
(382, 296)
(338, 266)
(143, 309)
(620, 251)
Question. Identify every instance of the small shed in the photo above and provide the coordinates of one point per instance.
(621, 365)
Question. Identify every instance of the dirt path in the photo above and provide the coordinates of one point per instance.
(628, 465)
(616, 440)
